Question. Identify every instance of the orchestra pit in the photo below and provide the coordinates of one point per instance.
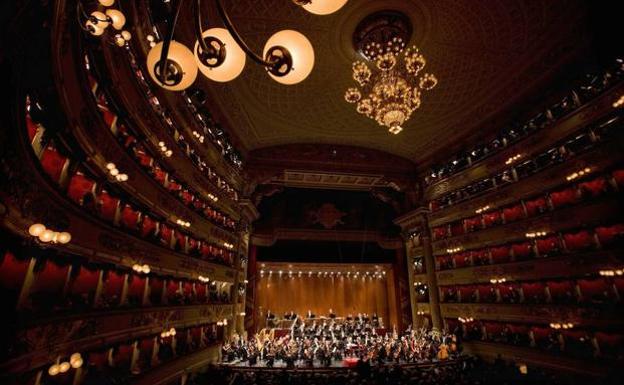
(311, 192)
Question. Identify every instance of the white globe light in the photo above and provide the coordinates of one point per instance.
(180, 58)
(64, 367)
(36, 229)
(126, 35)
(63, 237)
(54, 370)
(234, 58)
(93, 28)
(100, 19)
(107, 3)
(74, 357)
(77, 363)
(300, 50)
(324, 7)
(46, 236)
(118, 19)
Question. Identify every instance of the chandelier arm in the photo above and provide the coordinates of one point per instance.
(167, 42)
(239, 40)
(198, 27)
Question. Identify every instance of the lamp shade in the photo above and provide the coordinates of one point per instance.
(324, 7)
(234, 57)
(36, 229)
(107, 3)
(300, 50)
(100, 19)
(182, 69)
(118, 19)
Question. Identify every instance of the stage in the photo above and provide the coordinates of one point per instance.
(348, 363)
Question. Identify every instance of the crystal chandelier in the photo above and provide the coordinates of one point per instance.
(391, 90)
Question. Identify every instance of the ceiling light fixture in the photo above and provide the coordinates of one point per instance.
(220, 53)
(391, 91)
(98, 21)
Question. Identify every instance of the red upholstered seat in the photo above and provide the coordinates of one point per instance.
(31, 127)
(564, 197)
(594, 187)
(160, 176)
(180, 239)
(462, 259)
(12, 271)
(440, 232)
(434, 205)
(50, 277)
(578, 241)
(467, 293)
(457, 228)
(98, 359)
(473, 223)
(146, 349)
(486, 293)
(534, 292)
(547, 246)
(123, 354)
(513, 213)
(509, 292)
(492, 219)
(144, 159)
(193, 245)
(187, 197)
(561, 291)
(79, 186)
(53, 163)
(536, 206)
(618, 176)
(610, 234)
(108, 206)
(148, 227)
(129, 217)
(136, 288)
(173, 185)
(200, 291)
(157, 286)
(165, 234)
(113, 284)
(500, 254)
(595, 290)
(84, 280)
(522, 250)
(109, 118)
(480, 257)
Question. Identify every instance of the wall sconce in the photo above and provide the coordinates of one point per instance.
(454, 250)
(231, 246)
(536, 234)
(203, 279)
(611, 273)
(114, 172)
(558, 325)
(145, 269)
(513, 159)
(482, 209)
(183, 223)
(619, 102)
(168, 333)
(45, 235)
(498, 280)
(578, 174)
(166, 152)
(465, 319)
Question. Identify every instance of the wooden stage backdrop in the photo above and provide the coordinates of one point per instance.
(342, 291)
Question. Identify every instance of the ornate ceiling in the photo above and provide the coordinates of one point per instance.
(488, 55)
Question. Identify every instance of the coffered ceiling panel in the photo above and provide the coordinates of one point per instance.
(487, 55)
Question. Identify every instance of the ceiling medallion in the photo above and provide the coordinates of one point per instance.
(391, 90)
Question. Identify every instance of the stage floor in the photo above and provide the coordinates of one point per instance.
(301, 364)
